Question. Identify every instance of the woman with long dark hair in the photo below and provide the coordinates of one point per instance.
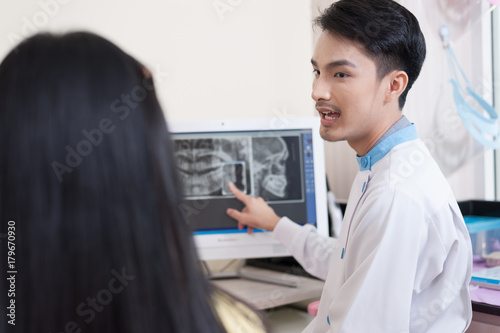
(89, 196)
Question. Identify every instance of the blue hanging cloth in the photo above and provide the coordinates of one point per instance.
(484, 128)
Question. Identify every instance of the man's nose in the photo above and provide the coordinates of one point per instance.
(321, 90)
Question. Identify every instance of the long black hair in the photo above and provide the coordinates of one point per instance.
(89, 196)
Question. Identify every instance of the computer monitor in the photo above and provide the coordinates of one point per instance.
(280, 160)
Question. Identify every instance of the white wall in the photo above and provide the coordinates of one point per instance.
(216, 59)
(250, 59)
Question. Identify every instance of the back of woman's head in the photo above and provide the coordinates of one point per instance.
(88, 179)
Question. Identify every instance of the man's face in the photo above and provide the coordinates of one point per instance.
(349, 97)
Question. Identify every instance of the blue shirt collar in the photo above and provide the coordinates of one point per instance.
(381, 149)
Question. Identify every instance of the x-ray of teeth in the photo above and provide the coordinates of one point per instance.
(268, 167)
(234, 172)
(205, 164)
(272, 164)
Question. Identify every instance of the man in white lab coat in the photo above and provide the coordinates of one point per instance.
(402, 261)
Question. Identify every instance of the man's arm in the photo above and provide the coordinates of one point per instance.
(311, 250)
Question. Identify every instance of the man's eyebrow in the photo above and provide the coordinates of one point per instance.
(336, 63)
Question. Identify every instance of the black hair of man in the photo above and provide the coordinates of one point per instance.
(389, 33)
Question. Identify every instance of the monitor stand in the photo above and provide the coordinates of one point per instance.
(239, 274)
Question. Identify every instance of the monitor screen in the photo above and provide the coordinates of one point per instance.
(281, 161)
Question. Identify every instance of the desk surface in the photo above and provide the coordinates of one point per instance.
(265, 295)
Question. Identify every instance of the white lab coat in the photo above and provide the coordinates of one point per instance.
(407, 253)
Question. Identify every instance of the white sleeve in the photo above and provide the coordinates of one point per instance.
(311, 250)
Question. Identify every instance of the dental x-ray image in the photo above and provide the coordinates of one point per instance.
(268, 167)
(207, 165)
(234, 172)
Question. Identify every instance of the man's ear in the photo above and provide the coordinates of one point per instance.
(396, 84)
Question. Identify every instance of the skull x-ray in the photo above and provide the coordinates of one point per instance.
(207, 165)
(276, 168)
(276, 165)
(268, 167)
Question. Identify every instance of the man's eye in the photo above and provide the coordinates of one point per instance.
(341, 75)
(316, 72)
